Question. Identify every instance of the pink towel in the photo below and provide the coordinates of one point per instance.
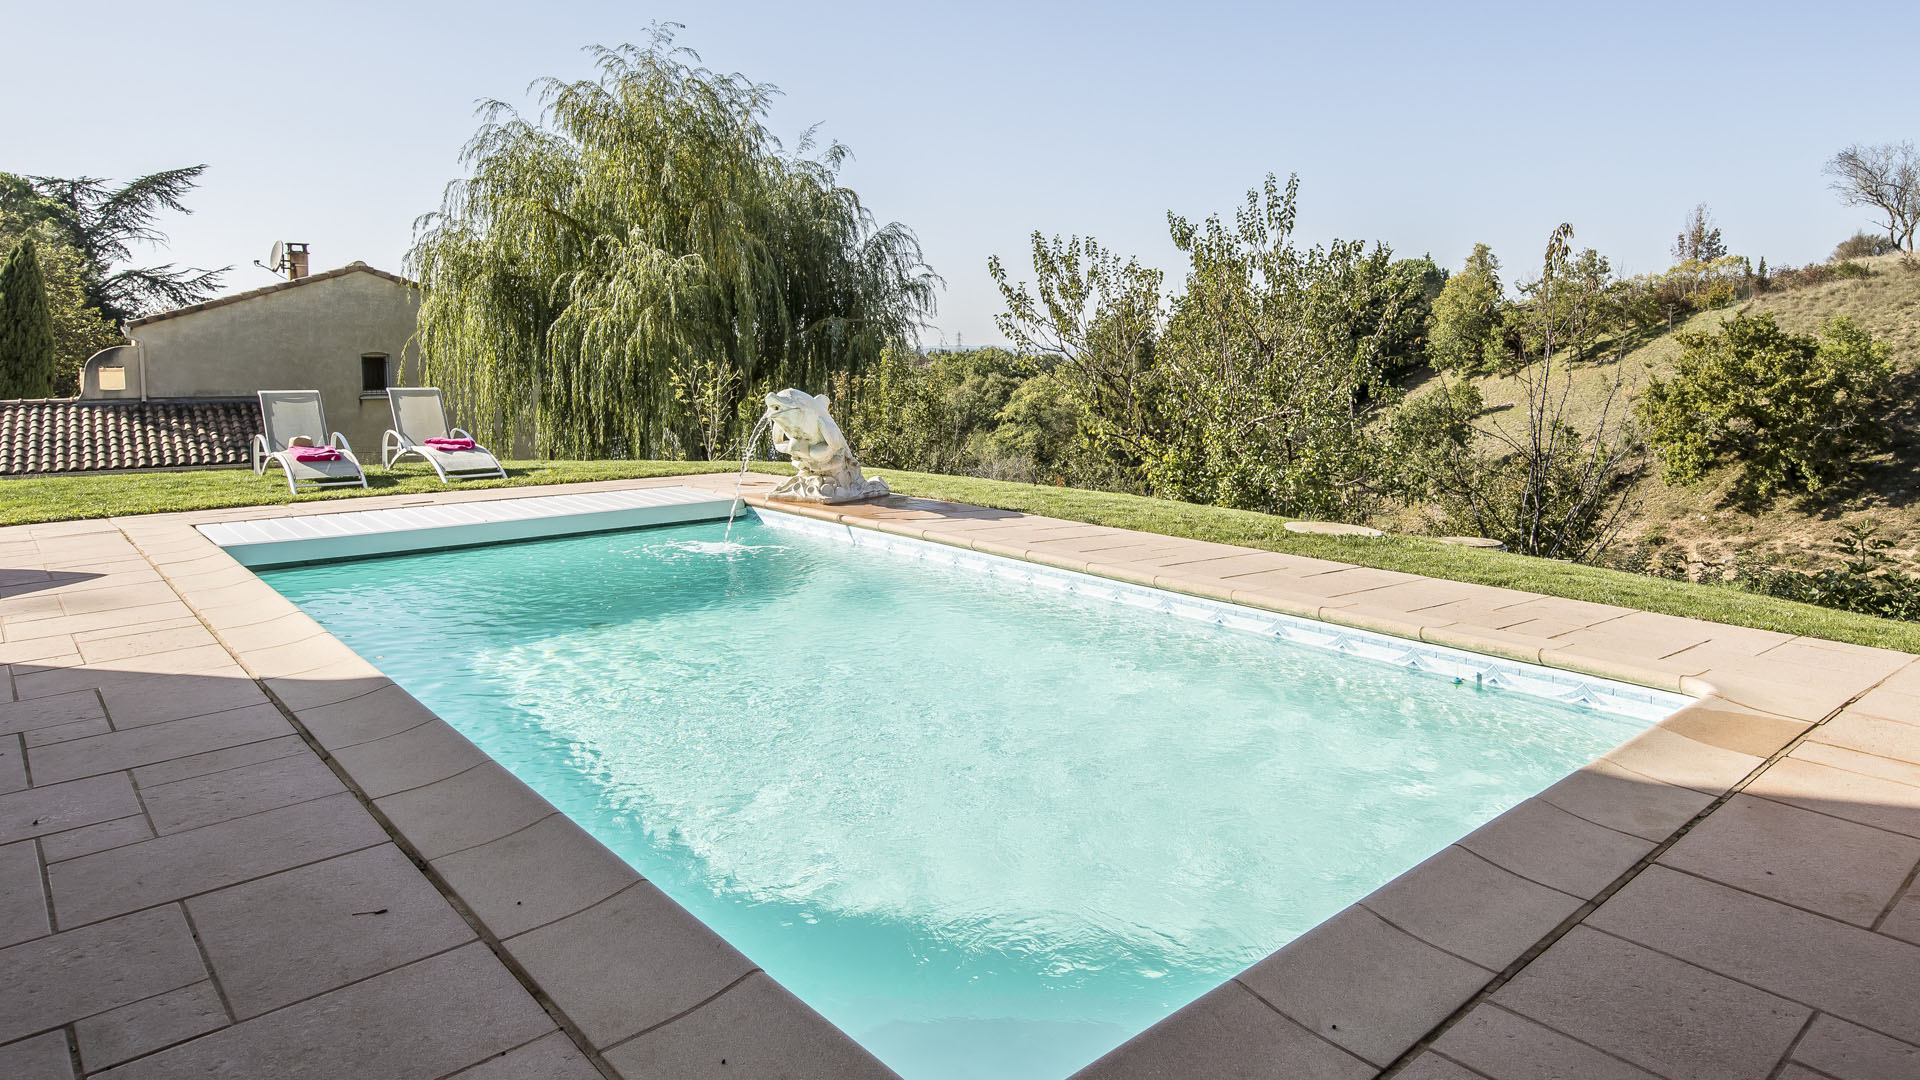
(452, 444)
(313, 453)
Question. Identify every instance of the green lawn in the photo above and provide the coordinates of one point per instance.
(1418, 555)
(35, 499)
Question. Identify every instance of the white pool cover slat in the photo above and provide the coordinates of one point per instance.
(273, 541)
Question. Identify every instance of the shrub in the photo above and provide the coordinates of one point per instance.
(1849, 270)
(1689, 286)
(1861, 584)
(1793, 410)
(1425, 431)
(1544, 479)
(1863, 246)
(1466, 315)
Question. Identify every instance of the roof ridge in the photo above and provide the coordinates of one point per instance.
(355, 267)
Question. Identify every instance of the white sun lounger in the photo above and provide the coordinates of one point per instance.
(286, 415)
(420, 414)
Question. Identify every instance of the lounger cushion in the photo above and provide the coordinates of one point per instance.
(462, 460)
(309, 471)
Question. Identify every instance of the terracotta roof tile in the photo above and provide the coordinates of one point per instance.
(324, 275)
(83, 436)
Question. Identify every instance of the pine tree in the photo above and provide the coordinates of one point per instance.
(26, 326)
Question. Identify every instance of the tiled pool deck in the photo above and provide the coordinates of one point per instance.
(230, 847)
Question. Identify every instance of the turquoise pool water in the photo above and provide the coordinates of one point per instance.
(989, 829)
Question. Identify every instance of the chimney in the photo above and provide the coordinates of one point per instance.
(296, 261)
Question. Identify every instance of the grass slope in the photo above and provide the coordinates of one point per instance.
(1796, 531)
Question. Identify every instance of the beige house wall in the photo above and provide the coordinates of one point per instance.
(309, 337)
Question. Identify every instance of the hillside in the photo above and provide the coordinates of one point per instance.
(1698, 519)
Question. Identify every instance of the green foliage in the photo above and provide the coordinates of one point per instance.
(79, 330)
(977, 412)
(1533, 479)
(26, 326)
(928, 413)
(101, 223)
(1861, 584)
(1038, 436)
(1794, 411)
(644, 258)
(1862, 246)
(1689, 286)
(1428, 431)
(1403, 308)
(1102, 317)
(1273, 364)
(1466, 314)
(1566, 310)
(1699, 240)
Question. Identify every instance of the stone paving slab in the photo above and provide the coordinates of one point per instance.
(58, 978)
(133, 1030)
(427, 1019)
(1730, 894)
(283, 938)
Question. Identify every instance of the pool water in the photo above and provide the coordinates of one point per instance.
(990, 830)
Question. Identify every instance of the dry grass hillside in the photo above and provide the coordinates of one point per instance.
(1698, 519)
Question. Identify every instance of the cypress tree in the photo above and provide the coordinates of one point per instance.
(26, 326)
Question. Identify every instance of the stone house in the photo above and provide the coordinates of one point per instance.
(180, 394)
(346, 333)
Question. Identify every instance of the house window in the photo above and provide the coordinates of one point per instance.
(373, 373)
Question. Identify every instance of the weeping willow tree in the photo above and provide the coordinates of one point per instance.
(634, 263)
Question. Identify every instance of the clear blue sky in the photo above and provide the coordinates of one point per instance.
(1428, 126)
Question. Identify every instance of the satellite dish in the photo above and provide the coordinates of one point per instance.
(278, 258)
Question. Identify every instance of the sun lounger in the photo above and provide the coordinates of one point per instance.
(294, 434)
(420, 428)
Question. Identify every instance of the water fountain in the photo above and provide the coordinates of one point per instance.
(824, 468)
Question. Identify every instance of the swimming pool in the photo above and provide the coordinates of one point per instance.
(991, 819)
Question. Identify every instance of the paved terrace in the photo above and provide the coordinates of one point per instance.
(229, 847)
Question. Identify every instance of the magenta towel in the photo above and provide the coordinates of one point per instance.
(313, 453)
(452, 444)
